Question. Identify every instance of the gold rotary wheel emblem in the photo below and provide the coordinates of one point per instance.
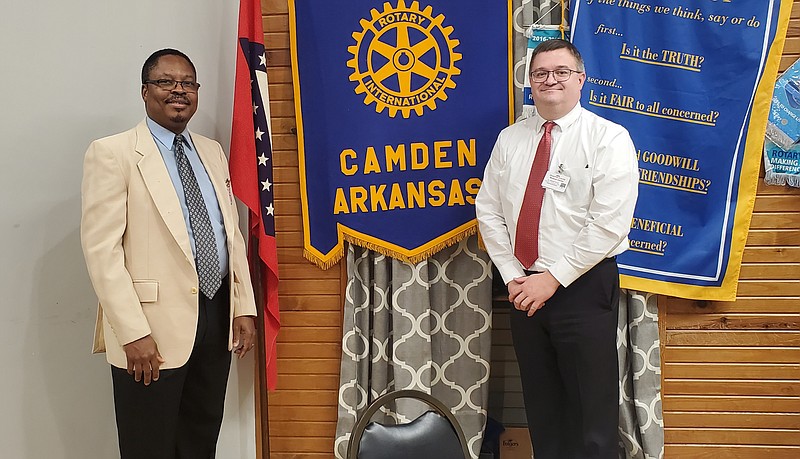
(403, 59)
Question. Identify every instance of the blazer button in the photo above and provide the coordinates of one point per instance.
(194, 291)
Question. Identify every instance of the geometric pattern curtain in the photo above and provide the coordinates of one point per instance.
(424, 326)
(641, 423)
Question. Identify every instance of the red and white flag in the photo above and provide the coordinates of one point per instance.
(251, 169)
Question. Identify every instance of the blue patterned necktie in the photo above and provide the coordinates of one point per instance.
(206, 256)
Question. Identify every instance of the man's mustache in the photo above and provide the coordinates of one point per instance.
(178, 99)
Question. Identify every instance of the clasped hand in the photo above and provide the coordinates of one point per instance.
(529, 293)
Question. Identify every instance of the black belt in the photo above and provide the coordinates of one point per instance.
(528, 273)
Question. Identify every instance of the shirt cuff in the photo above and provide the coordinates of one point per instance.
(564, 273)
(510, 271)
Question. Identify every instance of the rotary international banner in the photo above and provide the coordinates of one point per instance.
(692, 81)
(398, 105)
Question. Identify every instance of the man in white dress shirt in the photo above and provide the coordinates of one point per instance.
(553, 228)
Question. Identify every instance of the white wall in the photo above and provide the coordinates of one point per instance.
(70, 74)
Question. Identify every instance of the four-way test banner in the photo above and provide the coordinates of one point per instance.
(692, 81)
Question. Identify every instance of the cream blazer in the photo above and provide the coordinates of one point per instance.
(137, 247)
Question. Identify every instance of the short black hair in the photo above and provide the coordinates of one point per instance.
(554, 44)
(152, 61)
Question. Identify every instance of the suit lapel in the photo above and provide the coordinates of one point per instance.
(159, 185)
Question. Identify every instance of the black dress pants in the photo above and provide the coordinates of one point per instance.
(567, 357)
(179, 416)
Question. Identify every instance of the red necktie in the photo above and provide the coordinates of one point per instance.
(526, 245)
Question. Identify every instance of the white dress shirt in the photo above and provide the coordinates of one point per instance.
(580, 226)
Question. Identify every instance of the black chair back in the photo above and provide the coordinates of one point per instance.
(435, 434)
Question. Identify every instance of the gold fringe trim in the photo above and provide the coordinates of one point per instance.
(324, 264)
(338, 254)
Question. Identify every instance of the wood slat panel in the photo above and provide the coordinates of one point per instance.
(291, 271)
(302, 413)
(295, 444)
(304, 382)
(775, 220)
(731, 403)
(709, 354)
(732, 338)
(309, 350)
(309, 303)
(312, 455)
(769, 288)
(305, 429)
(281, 108)
(279, 74)
(764, 189)
(730, 452)
(773, 237)
(308, 335)
(286, 143)
(771, 255)
(276, 39)
(303, 397)
(280, 91)
(322, 286)
(733, 420)
(745, 305)
(727, 387)
(295, 239)
(287, 174)
(767, 437)
(734, 322)
(775, 204)
(275, 7)
(732, 371)
(310, 366)
(783, 271)
(279, 58)
(311, 319)
(274, 23)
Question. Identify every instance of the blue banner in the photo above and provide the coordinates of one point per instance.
(398, 105)
(692, 82)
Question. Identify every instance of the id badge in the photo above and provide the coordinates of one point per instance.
(555, 181)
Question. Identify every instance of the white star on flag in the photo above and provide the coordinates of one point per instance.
(265, 184)
(255, 108)
(262, 160)
(270, 209)
(259, 133)
(263, 59)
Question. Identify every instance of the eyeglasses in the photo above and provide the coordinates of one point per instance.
(169, 85)
(560, 75)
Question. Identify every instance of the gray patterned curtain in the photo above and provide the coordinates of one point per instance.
(523, 18)
(641, 423)
(424, 326)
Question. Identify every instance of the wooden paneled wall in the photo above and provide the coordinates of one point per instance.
(731, 370)
(302, 411)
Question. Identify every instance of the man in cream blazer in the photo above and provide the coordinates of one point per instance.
(168, 343)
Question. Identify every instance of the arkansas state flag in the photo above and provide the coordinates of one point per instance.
(251, 170)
